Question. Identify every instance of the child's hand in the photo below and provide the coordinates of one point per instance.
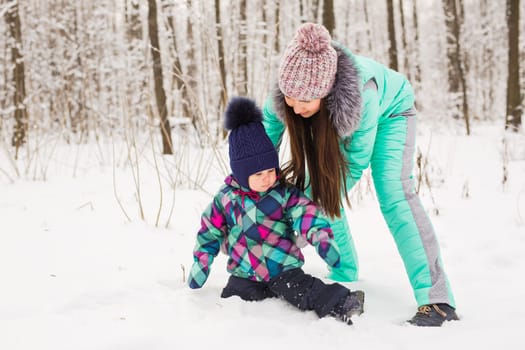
(200, 271)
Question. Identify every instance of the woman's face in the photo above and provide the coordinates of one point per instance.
(263, 180)
(305, 109)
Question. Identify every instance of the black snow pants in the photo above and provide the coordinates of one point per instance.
(295, 286)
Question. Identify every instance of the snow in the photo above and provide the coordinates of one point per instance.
(76, 274)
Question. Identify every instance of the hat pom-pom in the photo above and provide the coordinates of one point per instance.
(313, 37)
(240, 111)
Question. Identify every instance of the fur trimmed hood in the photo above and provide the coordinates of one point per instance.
(344, 100)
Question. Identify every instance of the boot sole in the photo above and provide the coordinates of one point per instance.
(361, 297)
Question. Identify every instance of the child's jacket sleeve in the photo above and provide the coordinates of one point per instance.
(313, 226)
(209, 238)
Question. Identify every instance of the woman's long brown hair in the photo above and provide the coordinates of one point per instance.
(314, 145)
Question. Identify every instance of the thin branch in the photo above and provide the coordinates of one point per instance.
(115, 183)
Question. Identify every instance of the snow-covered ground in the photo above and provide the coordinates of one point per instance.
(76, 274)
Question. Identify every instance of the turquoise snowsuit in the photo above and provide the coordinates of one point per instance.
(371, 107)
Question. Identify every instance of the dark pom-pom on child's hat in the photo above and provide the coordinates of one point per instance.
(241, 110)
(250, 148)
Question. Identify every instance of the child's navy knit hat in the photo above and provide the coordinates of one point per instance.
(251, 150)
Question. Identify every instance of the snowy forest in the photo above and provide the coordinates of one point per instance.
(112, 145)
(157, 74)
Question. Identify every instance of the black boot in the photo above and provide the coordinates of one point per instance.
(433, 315)
(352, 305)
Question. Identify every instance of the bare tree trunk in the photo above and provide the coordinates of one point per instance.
(456, 75)
(137, 95)
(191, 72)
(329, 16)
(315, 9)
(406, 65)
(220, 50)
(134, 30)
(277, 25)
(19, 95)
(368, 31)
(3, 92)
(180, 82)
(514, 112)
(460, 12)
(392, 51)
(243, 85)
(268, 35)
(308, 10)
(184, 79)
(487, 68)
(417, 76)
(76, 101)
(160, 94)
(453, 59)
(264, 12)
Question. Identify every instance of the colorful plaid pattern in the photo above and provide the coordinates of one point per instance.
(257, 231)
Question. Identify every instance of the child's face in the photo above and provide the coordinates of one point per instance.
(263, 180)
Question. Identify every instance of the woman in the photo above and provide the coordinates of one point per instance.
(344, 113)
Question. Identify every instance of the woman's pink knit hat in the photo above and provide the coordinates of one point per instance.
(309, 64)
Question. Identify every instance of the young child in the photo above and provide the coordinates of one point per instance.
(254, 219)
